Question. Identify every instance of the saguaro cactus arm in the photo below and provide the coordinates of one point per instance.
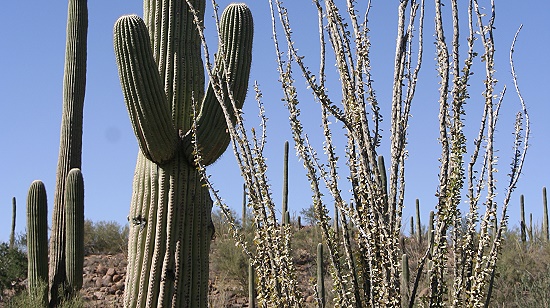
(233, 70)
(143, 90)
(74, 212)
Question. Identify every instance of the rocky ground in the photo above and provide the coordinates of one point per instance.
(104, 276)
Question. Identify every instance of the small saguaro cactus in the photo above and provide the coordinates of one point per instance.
(545, 233)
(418, 222)
(285, 184)
(162, 77)
(320, 277)
(522, 225)
(405, 280)
(37, 241)
(13, 215)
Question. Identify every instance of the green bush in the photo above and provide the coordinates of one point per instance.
(105, 237)
(226, 256)
(13, 265)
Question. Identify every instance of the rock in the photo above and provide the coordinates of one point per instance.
(106, 280)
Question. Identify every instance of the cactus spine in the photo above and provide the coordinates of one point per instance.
(13, 214)
(37, 241)
(70, 148)
(162, 77)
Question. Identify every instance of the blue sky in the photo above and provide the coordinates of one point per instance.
(31, 73)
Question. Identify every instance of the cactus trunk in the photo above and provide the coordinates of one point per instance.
(162, 76)
(70, 148)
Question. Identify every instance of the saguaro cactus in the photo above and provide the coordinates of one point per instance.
(13, 215)
(285, 185)
(74, 245)
(522, 221)
(321, 301)
(37, 241)
(70, 148)
(418, 223)
(162, 77)
(545, 232)
(37, 237)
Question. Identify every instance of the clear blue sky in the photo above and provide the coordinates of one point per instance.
(31, 72)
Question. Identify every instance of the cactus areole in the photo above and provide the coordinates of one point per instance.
(162, 77)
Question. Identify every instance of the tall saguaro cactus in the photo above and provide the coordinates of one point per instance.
(70, 147)
(162, 77)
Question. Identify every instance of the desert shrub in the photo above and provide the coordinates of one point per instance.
(13, 265)
(308, 214)
(523, 273)
(24, 299)
(226, 256)
(105, 237)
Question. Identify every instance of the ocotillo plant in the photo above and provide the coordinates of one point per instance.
(162, 77)
(37, 237)
(13, 214)
(70, 148)
(522, 221)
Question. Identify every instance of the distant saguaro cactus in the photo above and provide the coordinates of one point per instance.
(162, 77)
(285, 185)
(320, 277)
(418, 222)
(545, 233)
(522, 221)
(13, 215)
